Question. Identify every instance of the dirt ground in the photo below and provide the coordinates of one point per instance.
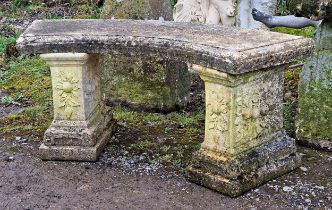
(121, 182)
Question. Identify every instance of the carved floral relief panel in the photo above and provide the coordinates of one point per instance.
(258, 110)
(66, 94)
(217, 117)
(242, 113)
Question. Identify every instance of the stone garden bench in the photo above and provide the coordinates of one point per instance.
(245, 144)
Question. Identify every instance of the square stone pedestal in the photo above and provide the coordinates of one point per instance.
(245, 144)
(81, 124)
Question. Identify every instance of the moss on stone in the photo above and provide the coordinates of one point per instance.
(150, 83)
(127, 9)
(315, 101)
(28, 80)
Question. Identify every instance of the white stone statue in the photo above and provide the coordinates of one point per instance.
(244, 7)
(205, 11)
(223, 11)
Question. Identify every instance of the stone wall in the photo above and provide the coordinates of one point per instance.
(137, 9)
(152, 85)
(314, 121)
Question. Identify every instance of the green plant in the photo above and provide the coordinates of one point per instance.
(306, 32)
(178, 157)
(166, 158)
(27, 79)
(121, 113)
(143, 145)
(197, 147)
(20, 3)
(165, 148)
(6, 100)
(282, 7)
(4, 41)
(173, 2)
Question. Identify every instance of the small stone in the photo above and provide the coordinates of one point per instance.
(303, 169)
(320, 187)
(307, 200)
(9, 159)
(17, 138)
(288, 95)
(287, 189)
(141, 158)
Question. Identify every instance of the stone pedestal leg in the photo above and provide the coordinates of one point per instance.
(81, 124)
(245, 144)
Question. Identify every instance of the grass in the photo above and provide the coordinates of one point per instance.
(4, 41)
(169, 138)
(27, 81)
(27, 9)
(143, 145)
(305, 32)
(188, 120)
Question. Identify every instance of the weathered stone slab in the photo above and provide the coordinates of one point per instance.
(221, 48)
(314, 120)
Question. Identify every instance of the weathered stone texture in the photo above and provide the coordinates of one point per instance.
(314, 120)
(221, 48)
(80, 127)
(145, 84)
(137, 9)
(238, 174)
(150, 84)
(244, 144)
(315, 9)
(242, 112)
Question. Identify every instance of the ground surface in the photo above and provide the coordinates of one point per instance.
(127, 182)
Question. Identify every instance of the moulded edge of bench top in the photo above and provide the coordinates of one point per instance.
(227, 49)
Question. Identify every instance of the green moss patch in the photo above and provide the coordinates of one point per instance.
(170, 139)
(305, 32)
(27, 81)
(51, 9)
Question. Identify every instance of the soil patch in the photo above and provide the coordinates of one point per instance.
(26, 182)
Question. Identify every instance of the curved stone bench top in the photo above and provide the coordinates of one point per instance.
(231, 50)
